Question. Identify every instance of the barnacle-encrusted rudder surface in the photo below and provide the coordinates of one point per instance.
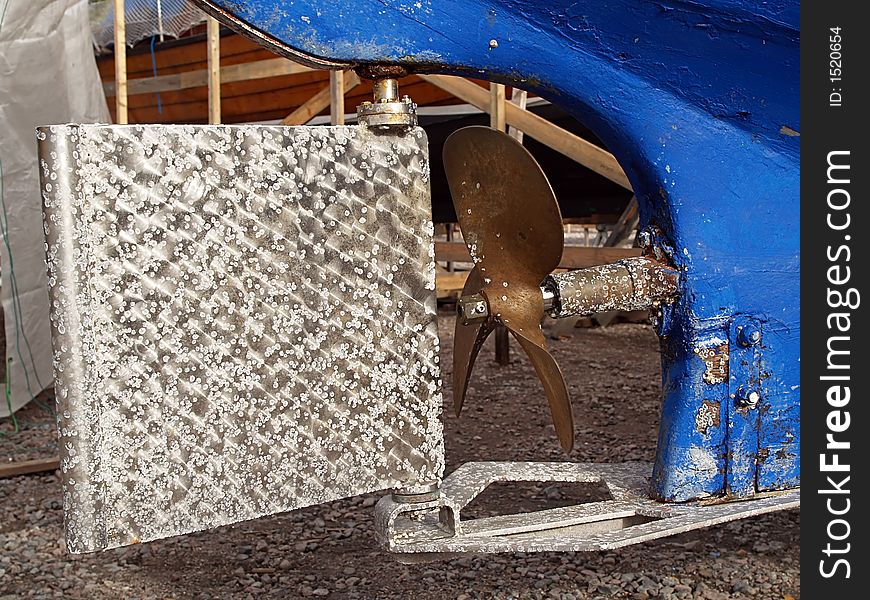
(243, 321)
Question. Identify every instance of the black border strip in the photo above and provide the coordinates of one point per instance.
(834, 265)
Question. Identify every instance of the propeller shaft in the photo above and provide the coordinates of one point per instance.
(631, 284)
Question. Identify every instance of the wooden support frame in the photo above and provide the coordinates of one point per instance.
(319, 101)
(574, 147)
(502, 345)
(25, 467)
(213, 45)
(336, 97)
(501, 338)
(519, 98)
(627, 223)
(448, 235)
(261, 69)
(120, 63)
(497, 106)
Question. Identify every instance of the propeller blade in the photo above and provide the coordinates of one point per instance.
(512, 226)
(504, 203)
(521, 313)
(554, 386)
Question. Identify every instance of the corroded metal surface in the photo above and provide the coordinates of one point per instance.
(513, 229)
(243, 322)
(388, 114)
(387, 109)
(627, 517)
(716, 358)
(630, 284)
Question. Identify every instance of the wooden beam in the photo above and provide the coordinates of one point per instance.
(336, 97)
(120, 63)
(449, 284)
(501, 339)
(580, 257)
(213, 45)
(319, 101)
(502, 346)
(496, 106)
(593, 219)
(260, 69)
(25, 467)
(574, 147)
(448, 233)
(519, 98)
(627, 223)
(573, 257)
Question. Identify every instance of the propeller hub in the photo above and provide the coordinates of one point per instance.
(472, 309)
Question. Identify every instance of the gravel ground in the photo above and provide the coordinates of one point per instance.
(329, 551)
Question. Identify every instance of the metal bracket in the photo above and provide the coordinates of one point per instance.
(388, 110)
(745, 385)
(629, 517)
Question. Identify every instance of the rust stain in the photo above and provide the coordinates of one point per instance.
(708, 416)
(716, 359)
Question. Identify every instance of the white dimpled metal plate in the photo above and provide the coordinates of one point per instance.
(243, 321)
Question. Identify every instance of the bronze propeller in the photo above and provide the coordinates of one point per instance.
(513, 229)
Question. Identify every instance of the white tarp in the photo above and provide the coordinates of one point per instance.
(143, 19)
(47, 75)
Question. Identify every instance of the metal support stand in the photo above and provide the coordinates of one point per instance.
(434, 525)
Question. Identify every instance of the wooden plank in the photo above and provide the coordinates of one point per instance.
(265, 99)
(627, 223)
(181, 55)
(120, 64)
(565, 142)
(573, 257)
(496, 106)
(336, 97)
(501, 339)
(261, 69)
(502, 346)
(452, 252)
(447, 283)
(25, 467)
(593, 219)
(213, 46)
(448, 233)
(519, 98)
(319, 101)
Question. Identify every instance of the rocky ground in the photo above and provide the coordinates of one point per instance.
(330, 551)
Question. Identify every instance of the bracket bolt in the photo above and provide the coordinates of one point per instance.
(493, 44)
(472, 309)
(748, 335)
(747, 398)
